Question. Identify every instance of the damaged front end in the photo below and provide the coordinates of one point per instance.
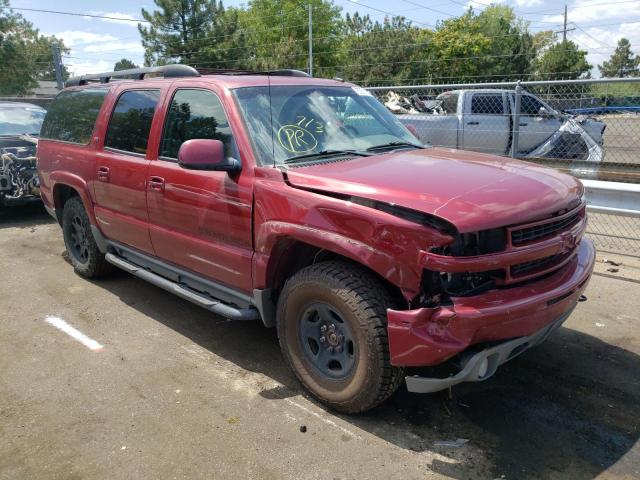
(18, 175)
(572, 141)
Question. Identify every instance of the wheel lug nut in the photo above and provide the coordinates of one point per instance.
(331, 349)
(333, 326)
(338, 349)
(323, 328)
(323, 339)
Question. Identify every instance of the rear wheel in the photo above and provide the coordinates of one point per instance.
(85, 256)
(332, 330)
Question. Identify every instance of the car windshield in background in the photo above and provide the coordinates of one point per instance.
(18, 120)
(304, 123)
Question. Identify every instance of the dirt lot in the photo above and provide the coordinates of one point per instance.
(177, 393)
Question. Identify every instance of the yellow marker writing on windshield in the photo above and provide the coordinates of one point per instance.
(296, 139)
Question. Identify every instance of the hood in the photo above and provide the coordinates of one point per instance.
(473, 191)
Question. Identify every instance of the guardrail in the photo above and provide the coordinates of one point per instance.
(614, 198)
(614, 216)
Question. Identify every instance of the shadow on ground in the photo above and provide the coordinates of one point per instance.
(567, 408)
(23, 216)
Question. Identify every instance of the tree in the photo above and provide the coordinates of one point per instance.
(124, 64)
(562, 60)
(25, 54)
(195, 32)
(374, 52)
(512, 49)
(622, 63)
(459, 47)
(276, 34)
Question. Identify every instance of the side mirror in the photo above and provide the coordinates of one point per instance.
(205, 154)
(543, 112)
(413, 130)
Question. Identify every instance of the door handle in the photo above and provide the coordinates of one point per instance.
(103, 174)
(156, 183)
(524, 124)
(473, 123)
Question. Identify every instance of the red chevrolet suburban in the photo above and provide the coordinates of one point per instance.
(303, 203)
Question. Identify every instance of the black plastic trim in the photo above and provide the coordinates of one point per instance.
(180, 276)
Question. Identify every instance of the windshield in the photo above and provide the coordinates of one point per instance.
(301, 121)
(17, 120)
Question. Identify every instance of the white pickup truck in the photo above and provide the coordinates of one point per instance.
(482, 120)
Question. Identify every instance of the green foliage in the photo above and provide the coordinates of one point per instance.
(622, 63)
(563, 60)
(511, 46)
(492, 45)
(187, 31)
(124, 64)
(458, 46)
(25, 54)
(276, 33)
(380, 52)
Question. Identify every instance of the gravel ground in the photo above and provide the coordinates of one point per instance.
(178, 393)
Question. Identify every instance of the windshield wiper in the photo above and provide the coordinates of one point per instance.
(325, 153)
(393, 145)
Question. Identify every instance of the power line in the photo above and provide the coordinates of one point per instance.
(344, 37)
(75, 14)
(431, 9)
(592, 37)
(357, 2)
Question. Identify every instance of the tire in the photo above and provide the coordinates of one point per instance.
(354, 302)
(85, 256)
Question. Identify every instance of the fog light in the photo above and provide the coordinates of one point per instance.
(483, 368)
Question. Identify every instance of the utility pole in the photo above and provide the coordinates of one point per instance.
(57, 63)
(565, 29)
(310, 41)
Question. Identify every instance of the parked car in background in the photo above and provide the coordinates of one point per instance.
(482, 121)
(304, 203)
(19, 129)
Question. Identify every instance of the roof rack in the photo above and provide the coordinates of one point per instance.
(166, 71)
(284, 72)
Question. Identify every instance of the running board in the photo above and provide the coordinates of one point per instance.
(209, 303)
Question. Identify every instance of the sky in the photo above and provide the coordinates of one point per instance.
(97, 43)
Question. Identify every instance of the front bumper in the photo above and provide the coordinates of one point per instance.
(431, 336)
(482, 365)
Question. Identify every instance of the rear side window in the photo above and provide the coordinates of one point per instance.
(72, 115)
(195, 114)
(487, 104)
(449, 103)
(131, 121)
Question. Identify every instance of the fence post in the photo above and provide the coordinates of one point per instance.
(516, 121)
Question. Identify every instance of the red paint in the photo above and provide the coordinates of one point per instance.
(429, 336)
(239, 228)
(200, 153)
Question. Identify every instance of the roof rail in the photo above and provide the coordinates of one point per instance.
(167, 71)
(285, 72)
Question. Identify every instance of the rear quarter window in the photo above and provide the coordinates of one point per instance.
(487, 104)
(72, 115)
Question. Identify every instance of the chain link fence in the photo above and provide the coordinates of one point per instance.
(589, 128)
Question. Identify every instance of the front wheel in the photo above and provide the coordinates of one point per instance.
(332, 331)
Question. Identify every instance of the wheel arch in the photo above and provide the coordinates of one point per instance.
(66, 186)
(288, 255)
